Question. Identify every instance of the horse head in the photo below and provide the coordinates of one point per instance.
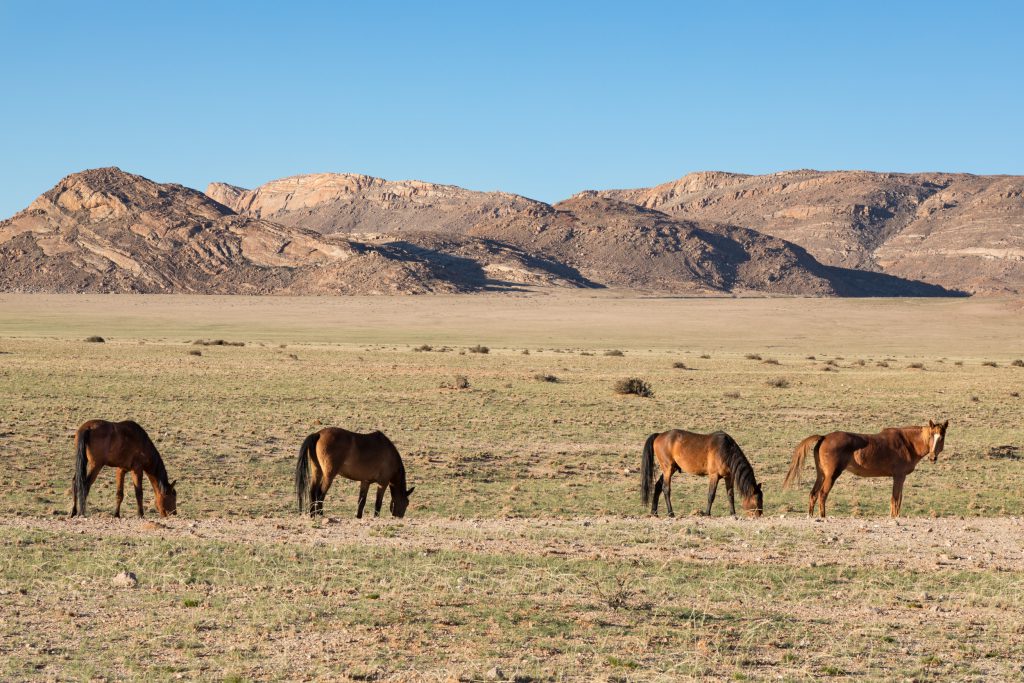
(400, 500)
(753, 502)
(167, 500)
(936, 435)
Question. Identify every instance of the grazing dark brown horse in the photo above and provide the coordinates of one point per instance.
(893, 452)
(366, 458)
(716, 456)
(126, 446)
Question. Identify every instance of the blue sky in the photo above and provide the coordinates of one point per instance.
(544, 99)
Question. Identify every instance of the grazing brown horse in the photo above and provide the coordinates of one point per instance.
(893, 452)
(126, 446)
(716, 456)
(366, 458)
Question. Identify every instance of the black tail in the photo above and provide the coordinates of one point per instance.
(647, 470)
(81, 481)
(302, 468)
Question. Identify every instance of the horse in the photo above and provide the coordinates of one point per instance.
(126, 446)
(716, 456)
(893, 452)
(366, 458)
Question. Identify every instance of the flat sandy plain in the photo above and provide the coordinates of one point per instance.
(526, 549)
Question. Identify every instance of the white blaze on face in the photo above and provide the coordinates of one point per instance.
(935, 441)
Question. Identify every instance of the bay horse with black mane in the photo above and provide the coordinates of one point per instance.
(716, 456)
(126, 446)
(366, 458)
(893, 452)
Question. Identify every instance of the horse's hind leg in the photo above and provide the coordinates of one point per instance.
(667, 489)
(379, 501)
(826, 486)
(815, 491)
(897, 495)
(712, 489)
(364, 487)
(657, 493)
(120, 491)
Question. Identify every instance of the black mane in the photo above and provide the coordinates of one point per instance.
(742, 471)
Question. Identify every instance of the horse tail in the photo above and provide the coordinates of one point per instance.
(302, 467)
(811, 443)
(80, 483)
(647, 469)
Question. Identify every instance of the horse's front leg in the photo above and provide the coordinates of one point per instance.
(732, 495)
(380, 500)
(120, 491)
(137, 480)
(897, 494)
(712, 489)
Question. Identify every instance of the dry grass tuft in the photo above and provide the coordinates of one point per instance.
(633, 386)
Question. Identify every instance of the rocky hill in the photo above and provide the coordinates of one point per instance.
(345, 203)
(956, 230)
(105, 230)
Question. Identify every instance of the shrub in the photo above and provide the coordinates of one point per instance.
(543, 377)
(679, 365)
(195, 352)
(732, 394)
(216, 342)
(811, 358)
(1018, 363)
(95, 339)
(831, 362)
(634, 386)
(705, 356)
(958, 363)
(990, 364)
(479, 349)
(771, 361)
(882, 364)
(829, 368)
(916, 366)
(461, 382)
(778, 382)
(526, 352)
(424, 347)
(753, 356)
(861, 362)
(614, 352)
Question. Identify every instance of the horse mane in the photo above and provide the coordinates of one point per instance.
(742, 471)
(159, 470)
(399, 481)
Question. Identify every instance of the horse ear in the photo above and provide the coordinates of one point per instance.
(409, 492)
(944, 425)
(930, 423)
(173, 483)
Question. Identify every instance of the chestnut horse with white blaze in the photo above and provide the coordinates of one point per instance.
(126, 446)
(366, 458)
(716, 456)
(893, 452)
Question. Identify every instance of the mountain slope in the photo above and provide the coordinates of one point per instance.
(342, 203)
(621, 244)
(105, 230)
(957, 230)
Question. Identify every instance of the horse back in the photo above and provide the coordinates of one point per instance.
(695, 453)
(362, 457)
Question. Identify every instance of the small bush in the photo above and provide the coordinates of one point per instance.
(614, 352)
(731, 394)
(705, 356)
(479, 349)
(586, 353)
(543, 377)
(525, 352)
(424, 347)
(958, 363)
(461, 382)
(634, 386)
(916, 366)
(975, 399)
(1018, 363)
(831, 362)
(882, 364)
(860, 361)
(1015, 394)
(811, 358)
(679, 365)
(753, 356)
(771, 361)
(990, 364)
(95, 339)
(216, 342)
(829, 368)
(778, 382)
(195, 352)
